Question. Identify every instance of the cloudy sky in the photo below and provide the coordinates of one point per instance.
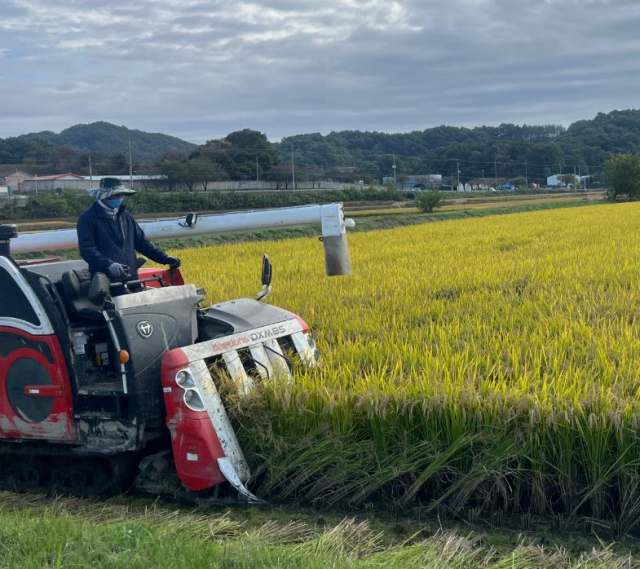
(201, 69)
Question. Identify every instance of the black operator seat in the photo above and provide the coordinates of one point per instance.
(84, 296)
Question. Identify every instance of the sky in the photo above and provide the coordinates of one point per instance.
(199, 70)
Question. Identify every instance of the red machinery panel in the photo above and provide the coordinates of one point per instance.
(173, 280)
(35, 393)
(196, 447)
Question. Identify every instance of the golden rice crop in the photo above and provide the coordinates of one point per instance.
(486, 363)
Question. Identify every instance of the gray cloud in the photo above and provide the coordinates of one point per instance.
(201, 69)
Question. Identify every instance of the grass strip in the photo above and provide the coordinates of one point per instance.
(43, 532)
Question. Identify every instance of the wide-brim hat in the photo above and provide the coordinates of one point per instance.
(110, 187)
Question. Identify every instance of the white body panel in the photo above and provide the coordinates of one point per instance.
(44, 328)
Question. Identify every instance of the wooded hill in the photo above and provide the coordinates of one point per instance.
(100, 139)
(516, 151)
(507, 151)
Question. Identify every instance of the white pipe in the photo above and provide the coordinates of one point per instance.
(329, 216)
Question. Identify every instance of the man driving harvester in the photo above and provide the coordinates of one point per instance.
(109, 237)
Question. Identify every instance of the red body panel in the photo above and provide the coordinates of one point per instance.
(59, 425)
(174, 280)
(195, 450)
(196, 447)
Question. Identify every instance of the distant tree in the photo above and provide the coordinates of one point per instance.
(214, 150)
(173, 171)
(402, 179)
(568, 180)
(190, 175)
(429, 200)
(209, 172)
(315, 174)
(245, 147)
(623, 176)
(281, 174)
(201, 172)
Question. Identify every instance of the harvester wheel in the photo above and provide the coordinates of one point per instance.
(10, 479)
(21, 477)
(61, 481)
(29, 477)
(79, 480)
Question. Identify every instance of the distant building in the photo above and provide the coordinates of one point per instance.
(415, 182)
(70, 181)
(555, 181)
(45, 183)
(67, 176)
(126, 179)
(14, 180)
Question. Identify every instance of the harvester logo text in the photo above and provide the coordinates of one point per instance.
(266, 334)
(223, 346)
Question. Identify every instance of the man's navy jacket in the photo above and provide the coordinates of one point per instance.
(104, 239)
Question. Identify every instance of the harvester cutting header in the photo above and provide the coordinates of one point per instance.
(98, 386)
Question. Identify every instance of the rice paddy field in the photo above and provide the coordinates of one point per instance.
(482, 367)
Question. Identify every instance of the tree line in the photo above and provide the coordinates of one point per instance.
(519, 154)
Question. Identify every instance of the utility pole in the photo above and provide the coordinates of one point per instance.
(495, 169)
(394, 170)
(130, 165)
(257, 175)
(293, 169)
(90, 173)
(526, 173)
(575, 180)
(36, 184)
(458, 173)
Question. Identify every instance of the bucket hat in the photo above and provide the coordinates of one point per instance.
(110, 187)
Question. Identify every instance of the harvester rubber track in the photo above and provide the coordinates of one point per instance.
(83, 477)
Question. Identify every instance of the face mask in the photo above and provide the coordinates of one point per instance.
(114, 202)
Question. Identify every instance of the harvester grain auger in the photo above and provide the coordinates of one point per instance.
(97, 389)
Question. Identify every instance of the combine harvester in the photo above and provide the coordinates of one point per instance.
(100, 390)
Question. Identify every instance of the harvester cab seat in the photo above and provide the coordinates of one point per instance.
(85, 296)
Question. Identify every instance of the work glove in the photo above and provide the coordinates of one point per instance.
(116, 271)
(173, 263)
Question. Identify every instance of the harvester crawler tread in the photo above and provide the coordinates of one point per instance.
(59, 475)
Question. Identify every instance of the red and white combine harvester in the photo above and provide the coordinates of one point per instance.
(99, 389)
